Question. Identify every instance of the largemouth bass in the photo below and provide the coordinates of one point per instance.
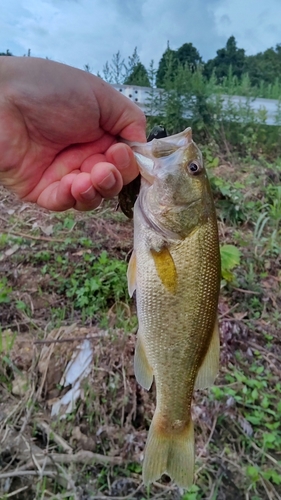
(175, 270)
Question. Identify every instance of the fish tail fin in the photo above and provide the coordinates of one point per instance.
(169, 453)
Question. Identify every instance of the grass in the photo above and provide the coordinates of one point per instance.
(63, 279)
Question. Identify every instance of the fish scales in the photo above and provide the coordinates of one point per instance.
(175, 269)
(164, 320)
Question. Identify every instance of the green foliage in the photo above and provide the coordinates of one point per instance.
(230, 56)
(136, 72)
(192, 493)
(265, 66)
(94, 283)
(260, 415)
(131, 73)
(138, 76)
(230, 258)
(196, 94)
(187, 54)
(167, 67)
(172, 60)
(267, 232)
(5, 291)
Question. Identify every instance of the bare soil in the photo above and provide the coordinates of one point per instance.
(95, 452)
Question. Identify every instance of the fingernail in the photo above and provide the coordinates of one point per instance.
(121, 159)
(89, 194)
(108, 182)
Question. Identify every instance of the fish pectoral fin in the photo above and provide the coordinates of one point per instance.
(132, 274)
(210, 365)
(166, 269)
(143, 370)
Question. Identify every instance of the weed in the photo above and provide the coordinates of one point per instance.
(230, 258)
(5, 291)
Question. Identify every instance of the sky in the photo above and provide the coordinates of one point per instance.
(79, 32)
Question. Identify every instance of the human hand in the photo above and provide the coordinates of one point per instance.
(59, 128)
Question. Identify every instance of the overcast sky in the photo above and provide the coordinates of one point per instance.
(79, 32)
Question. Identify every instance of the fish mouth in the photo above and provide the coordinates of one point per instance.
(146, 166)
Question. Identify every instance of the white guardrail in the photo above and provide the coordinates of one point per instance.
(142, 96)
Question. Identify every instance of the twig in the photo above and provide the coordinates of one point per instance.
(43, 426)
(269, 496)
(61, 341)
(227, 312)
(209, 439)
(13, 493)
(22, 473)
(83, 456)
(251, 292)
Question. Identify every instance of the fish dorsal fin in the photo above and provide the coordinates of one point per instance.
(165, 268)
(143, 370)
(210, 365)
(132, 274)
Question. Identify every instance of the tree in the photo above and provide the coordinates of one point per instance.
(226, 57)
(138, 76)
(265, 66)
(118, 68)
(87, 68)
(136, 71)
(7, 53)
(107, 73)
(167, 67)
(188, 54)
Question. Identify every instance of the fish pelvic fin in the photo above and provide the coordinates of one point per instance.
(210, 365)
(169, 453)
(143, 370)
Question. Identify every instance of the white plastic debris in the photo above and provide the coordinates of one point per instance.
(76, 370)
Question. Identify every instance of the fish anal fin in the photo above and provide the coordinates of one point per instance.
(132, 274)
(143, 370)
(166, 269)
(210, 365)
(169, 453)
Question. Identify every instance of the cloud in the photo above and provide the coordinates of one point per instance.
(77, 32)
(255, 25)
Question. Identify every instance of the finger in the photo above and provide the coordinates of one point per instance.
(57, 196)
(124, 160)
(66, 162)
(92, 160)
(86, 196)
(106, 179)
(94, 201)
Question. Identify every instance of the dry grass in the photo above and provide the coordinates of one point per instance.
(96, 451)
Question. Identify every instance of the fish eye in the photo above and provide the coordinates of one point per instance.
(194, 168)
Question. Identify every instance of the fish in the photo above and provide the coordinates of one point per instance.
(174, 272)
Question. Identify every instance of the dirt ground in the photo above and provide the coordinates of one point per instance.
(95, 450)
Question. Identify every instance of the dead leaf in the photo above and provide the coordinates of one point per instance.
(47, 230)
